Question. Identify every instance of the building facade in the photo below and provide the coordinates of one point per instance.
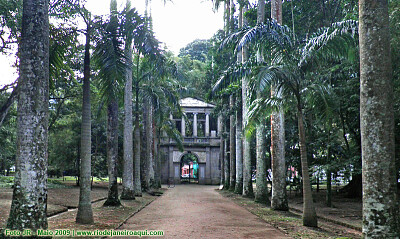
(200, 161)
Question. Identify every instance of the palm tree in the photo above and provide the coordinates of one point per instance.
(85, 213)
(278, 164)
(131, 22)
(239, 120)
(380, 204)
(148, 46)
(247, 172)
(261, 194)
(28, 207)
(232, 142)
(110, 59)
(137, 182)
(148, 117)
(227, 165)
(287, 73)
(162, 92)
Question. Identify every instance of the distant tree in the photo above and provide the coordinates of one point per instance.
(197, 50)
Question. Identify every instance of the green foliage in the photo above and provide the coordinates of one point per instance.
(8, 136)
(196, 50)
(10, 22)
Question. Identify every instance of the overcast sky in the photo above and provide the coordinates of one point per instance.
(175, 24)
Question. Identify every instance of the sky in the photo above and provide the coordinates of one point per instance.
(176, 24)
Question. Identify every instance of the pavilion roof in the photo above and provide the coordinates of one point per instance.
(192, 102)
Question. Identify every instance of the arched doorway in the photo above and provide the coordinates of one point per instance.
(189, 168)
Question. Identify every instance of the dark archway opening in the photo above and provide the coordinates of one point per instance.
(189, 168)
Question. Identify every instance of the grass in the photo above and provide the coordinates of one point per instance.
(8, 182)
(289, 222)
(73, 178)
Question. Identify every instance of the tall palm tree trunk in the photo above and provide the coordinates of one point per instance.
(149, 146)
(309, 214)
(239, 129)
(278, 165)
(112, 154)
(379, 176)
(29, 202)
(239, 151)
(85, 213)
(247, 180)
(232, 147)
(221, 150)
(128, 192)
(137, 149)
(328, 171)
(261, 194)
(226, 160)
(157, 160)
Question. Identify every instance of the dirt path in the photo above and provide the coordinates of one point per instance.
(194, 211)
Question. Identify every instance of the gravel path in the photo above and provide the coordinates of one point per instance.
(196, 211)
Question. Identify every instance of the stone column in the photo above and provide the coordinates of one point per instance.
(194, 124)
(207, 125)
(183, 128)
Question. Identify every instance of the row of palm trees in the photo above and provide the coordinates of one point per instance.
(126, 53)
(125, 57)
(270, 83)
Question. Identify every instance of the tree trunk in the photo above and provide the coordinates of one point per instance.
(232, 147)
(144, 168)
(239, 151)
(239, 129)
(328, 188)
(221, 150)
(137, 151)
(28, 207)
(226, 162)
(128, 192)
(247, 182)
(261, 194)
(149, 146)
(227, 17)
(7, 105)
(112, 154)
(309, 214)
(137, 182)
(85, 213)
(260, 11)
(278, 165)
(157, 159)
(380, 203)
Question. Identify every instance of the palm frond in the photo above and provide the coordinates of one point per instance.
(334, 41)
(109, 58)
(270, 32)
(233, 74)
(172, 132)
